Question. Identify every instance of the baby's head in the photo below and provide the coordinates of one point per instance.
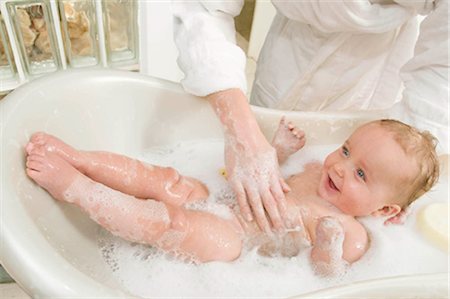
(382, 168)
(420, 146)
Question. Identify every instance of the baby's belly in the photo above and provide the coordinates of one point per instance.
(287, 243)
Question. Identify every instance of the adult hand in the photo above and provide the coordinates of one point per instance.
(254, 175)
(251, 162)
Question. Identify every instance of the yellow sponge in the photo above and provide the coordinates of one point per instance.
(433, 223)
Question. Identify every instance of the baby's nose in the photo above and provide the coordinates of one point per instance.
(339, 168)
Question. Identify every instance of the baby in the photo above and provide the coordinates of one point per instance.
(379, 170)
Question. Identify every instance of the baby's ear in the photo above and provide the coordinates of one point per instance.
(397, 219)
(389, 210)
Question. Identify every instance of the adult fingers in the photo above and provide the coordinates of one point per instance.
(258, 209)
(242, 199)
(284, 185)
(280, 199)
(271, 207)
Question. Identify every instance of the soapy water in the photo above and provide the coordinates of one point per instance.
(147, 272)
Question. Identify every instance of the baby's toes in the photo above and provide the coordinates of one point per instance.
(34, 162)
(29, 147)
(32, 173)
(37, 150)
(38, 138)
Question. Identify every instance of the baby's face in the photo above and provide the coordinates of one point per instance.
(365, 174)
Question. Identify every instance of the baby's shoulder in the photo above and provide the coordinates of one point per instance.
(356, 241)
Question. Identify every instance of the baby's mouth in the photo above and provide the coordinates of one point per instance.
(331, 184)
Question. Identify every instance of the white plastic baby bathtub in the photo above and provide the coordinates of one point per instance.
(50, 249)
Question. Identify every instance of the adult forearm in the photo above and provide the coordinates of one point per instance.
(236, 116)
(251, 161)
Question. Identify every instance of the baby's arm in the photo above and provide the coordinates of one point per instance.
(336, 245)
(288, 139)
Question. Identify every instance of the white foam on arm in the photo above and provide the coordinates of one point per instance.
(327, 253)
(208, 55)
(425, 102)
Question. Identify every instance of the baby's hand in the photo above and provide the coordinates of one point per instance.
(288, 139)
(330, 234)
(327, 253)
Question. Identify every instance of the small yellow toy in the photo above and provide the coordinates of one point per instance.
(223, 172)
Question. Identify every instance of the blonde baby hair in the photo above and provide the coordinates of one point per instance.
(420, 145)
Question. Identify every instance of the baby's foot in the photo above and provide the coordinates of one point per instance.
(288, 139)
(50, 171)
(55, 145)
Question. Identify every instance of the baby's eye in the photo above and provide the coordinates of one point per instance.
(345, 151)
(361, 174)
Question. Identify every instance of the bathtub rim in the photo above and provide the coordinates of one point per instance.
(399, 283)
(7, 104)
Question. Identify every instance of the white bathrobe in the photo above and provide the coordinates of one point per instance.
(327, 55)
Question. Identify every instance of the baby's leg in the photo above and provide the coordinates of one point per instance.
(127, 175)
(288, 139)
(196, 234)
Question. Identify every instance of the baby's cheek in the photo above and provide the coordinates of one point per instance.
(353, 197)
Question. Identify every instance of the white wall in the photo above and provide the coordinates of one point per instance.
(158, 52)
(262, 19)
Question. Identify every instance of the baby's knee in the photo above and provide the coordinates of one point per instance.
(177, 189)
(170, 175)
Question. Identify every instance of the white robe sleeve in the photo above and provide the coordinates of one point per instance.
(425, 101)
(205, 37)
(359, 16)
